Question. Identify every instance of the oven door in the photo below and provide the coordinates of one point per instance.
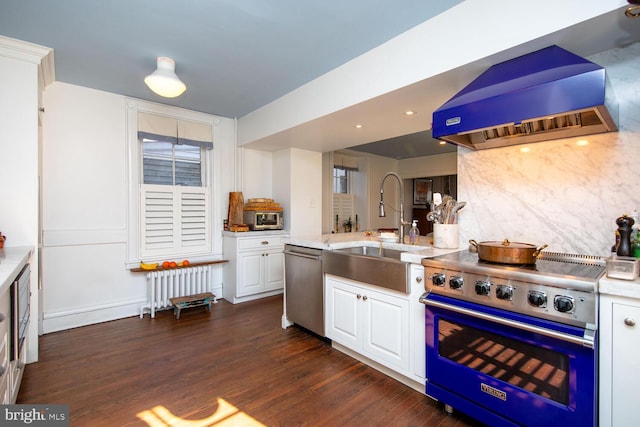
(504, 368)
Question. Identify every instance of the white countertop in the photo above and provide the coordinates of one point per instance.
(625, 288)
(12, 259)
(411, 253)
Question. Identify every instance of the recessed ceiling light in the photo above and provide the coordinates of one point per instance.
(582, 142)
(525, 149)
(443, 142)
(359, 126)
(409, 112)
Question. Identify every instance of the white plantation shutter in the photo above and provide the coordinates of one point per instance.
(174, 220)
(193, 221)
(343, 206)
(157, 225)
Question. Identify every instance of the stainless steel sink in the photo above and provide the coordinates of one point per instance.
(368, 264)
(373, 252)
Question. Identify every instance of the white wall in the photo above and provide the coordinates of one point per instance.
(257, 171)
(20, 162)
(559, 193)
(297, 183)
(84, 210)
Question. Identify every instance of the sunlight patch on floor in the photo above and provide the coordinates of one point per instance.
(226, 415)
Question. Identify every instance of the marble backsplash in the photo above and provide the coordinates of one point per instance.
(565, 195)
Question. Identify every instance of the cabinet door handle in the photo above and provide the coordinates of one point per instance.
(364, 298)
(419, 279)
(358, 296)
(264, 242)
(629, 322)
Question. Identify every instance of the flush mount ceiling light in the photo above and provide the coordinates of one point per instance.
(164, 80)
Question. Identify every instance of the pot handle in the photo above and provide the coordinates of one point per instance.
(537, 252)
(473, 243)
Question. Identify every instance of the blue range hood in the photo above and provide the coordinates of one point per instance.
(547, 94)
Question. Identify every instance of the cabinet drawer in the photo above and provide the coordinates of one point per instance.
(265, 242)
(4, 355)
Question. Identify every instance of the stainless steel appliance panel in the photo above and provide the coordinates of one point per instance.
(304, 287)
(20, 306)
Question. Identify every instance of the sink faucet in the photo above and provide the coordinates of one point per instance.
(381, 212)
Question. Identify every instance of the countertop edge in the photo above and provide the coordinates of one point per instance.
(12, 260)
(619, 287)
(410, 253)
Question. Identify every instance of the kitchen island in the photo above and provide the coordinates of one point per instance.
(379, 326)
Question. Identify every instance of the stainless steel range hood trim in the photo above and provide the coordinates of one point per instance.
(545, 95)
(496, 137)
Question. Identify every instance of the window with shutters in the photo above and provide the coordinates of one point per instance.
(174, 187)
(343, 199)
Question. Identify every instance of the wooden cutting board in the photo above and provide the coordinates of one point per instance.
(236, 206)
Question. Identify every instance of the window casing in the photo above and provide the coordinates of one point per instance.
(171, 188)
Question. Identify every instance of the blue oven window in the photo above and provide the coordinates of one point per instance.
(529, 367)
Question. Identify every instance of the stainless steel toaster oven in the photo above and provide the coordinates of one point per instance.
(263, 220)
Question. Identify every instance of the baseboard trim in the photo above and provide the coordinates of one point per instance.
(59, 321)
(420, 387)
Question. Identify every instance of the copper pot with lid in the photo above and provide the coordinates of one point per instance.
(507, 252)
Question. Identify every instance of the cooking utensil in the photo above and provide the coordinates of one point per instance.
(507, 252)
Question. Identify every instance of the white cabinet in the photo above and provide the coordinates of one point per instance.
(5, 367)
(368, 320)
(255, 268)
(418, 343)
(619, 347)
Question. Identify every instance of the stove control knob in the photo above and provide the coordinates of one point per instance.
(563, 303)
(537, 299)
(483, 288)
(456, 282)
(438, 279)
(504, 292)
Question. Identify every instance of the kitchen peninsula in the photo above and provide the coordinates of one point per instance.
(370, 320)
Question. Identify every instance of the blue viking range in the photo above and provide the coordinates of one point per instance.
(516, 345)
(513, 345)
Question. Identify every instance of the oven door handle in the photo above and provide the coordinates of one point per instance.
(587, 341)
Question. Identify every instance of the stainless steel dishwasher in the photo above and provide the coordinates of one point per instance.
(304, 290)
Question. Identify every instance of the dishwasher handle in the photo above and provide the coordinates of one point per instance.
(302, 255)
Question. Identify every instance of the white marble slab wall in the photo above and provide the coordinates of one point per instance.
(559, 193)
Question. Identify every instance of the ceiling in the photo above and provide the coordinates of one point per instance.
(237, 56)
(416, 144)
(234, 55)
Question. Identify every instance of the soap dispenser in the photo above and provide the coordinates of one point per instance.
(414, 232)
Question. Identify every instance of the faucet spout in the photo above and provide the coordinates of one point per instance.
(381, 211)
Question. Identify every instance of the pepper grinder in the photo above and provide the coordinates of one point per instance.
(624, 228)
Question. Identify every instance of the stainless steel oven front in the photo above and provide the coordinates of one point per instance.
(20, 309)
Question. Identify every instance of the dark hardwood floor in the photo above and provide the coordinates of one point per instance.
(233, 366)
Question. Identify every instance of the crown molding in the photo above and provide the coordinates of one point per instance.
(29, 52)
